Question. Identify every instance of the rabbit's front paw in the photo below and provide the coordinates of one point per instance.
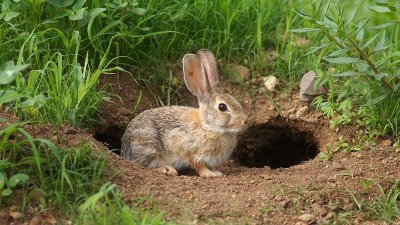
(209, 173)
(168, 170)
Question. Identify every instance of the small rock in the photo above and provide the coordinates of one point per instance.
(123, 111)
(358, 156)
(271, 82)
(386, 143)
(302, 111)
(306, 218)
(15, 215)
(271, 108)
(307, 91)
(242, 73)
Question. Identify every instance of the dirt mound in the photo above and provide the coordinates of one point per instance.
(274, 175)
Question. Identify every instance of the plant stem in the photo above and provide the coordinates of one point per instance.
(364, 56)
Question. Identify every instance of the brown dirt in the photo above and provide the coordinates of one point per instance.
(247, 195)
(307, 185)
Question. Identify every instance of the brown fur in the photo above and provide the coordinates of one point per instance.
(170, 138)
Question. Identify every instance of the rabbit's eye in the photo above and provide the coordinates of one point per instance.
(222, 107)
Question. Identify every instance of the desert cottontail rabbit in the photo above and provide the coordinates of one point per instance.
(171, 138)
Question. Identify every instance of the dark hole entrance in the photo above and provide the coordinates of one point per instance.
(276, 144)
(110, 137)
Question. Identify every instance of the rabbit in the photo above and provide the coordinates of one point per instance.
(174, 137)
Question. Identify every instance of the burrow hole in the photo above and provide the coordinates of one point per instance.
(278, 144)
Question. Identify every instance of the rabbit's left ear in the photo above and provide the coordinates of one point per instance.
(195, 76)
(210, 65)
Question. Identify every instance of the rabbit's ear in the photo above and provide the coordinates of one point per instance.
(195, 76)
(210, 65)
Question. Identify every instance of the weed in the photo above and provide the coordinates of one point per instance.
(385, 206)
(362, 66)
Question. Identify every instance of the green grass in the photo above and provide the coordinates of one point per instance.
(70, 181)
(385, 206)
(61, 48)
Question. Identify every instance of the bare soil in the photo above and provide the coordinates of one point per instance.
(275, 175)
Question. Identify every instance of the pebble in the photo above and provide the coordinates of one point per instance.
(307, 91)
(271, 82)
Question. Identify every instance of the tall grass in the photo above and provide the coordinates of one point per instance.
(68, 45)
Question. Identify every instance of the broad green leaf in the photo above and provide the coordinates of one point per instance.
(96, 11)
(348, 74)
(379, 9)
(77, 15)
(78, 4)
(9, 71)
(17, 178)
(342, 60)
(60, 3)
(6, 192)
(304, 30)
(139, 11)
(10, 15)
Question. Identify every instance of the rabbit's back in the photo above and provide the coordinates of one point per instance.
(144, 138)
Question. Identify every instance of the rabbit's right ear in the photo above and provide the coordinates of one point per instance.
(195, 76)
